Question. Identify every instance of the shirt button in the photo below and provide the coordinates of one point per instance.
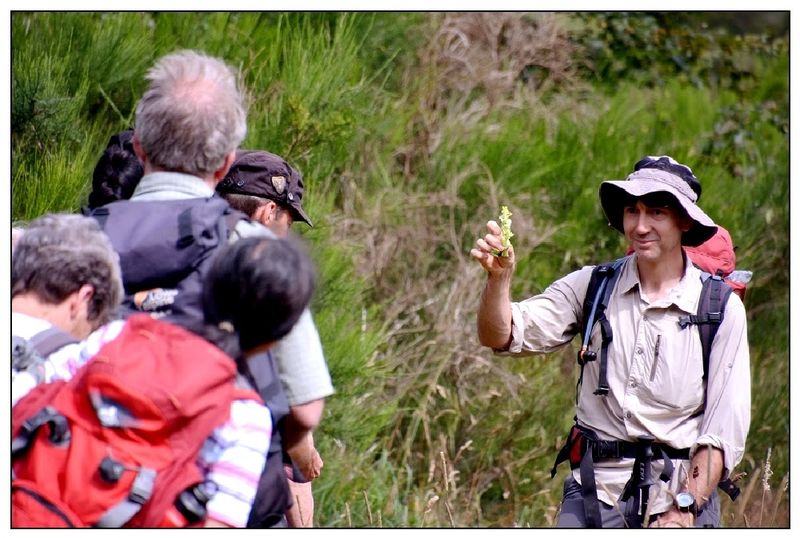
(633, 384)
(639, 350)
(628, 414)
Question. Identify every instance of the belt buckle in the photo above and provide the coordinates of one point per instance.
(607, 450)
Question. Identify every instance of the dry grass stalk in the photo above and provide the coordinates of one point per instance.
(450, 515)
(347, 514)
(429, 508)
(779, 498)
(765, 484)
(369, 510)
(495, 52)
(444, 472)
(744, 500)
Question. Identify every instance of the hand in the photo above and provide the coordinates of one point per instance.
(494, 265)
(674, 518)
(306, 457)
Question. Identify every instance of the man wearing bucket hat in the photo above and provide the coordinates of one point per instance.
(658, 409)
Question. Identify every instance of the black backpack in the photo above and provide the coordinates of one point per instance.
(165, 250)
(273, 497)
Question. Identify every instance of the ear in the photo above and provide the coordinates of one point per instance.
(264, 212)
(137, 148)
(686, 224)
(79, 301)
(219, 173)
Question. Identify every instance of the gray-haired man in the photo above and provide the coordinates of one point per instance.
(65, 283)
(189, 123)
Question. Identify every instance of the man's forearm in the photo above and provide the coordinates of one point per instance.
(494, 312)
(705, 472)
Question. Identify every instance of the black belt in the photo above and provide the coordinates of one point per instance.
(614, 450)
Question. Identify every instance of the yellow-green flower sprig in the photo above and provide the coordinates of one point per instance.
(505, 231)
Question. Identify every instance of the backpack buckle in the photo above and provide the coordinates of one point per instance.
(715, 317)
(142, 487)
(607, 450)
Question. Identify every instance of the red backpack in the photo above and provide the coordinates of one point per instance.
(117, 444)
(717, 256)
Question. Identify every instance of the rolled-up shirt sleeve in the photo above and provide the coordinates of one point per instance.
(550, 319)
(727, 416)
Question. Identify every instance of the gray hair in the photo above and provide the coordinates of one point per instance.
(192, 114)
(16, 234)
(59, 253)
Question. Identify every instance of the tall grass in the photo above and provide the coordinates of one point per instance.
(406, 156)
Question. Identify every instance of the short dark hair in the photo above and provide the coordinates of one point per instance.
(245, 203)
(261, 286)
(656, 199)
(117, 172)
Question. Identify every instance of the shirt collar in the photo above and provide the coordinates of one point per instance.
(176, 183)
(684, 295)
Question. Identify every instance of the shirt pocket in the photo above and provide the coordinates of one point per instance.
(673, 379)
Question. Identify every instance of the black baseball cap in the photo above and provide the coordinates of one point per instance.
(266, 175)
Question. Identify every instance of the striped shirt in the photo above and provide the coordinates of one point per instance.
(233, 456)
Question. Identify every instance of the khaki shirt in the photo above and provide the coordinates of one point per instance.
(655, 371)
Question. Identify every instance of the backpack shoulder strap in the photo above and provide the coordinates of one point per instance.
(601, 284)
(28, 355)
(51, 340)
(710, 312)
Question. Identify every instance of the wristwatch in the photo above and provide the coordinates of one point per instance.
(685, 502)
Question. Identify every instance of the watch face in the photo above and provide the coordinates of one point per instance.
(684, 499)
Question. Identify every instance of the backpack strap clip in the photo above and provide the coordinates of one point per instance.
(59, 429)
(141, 491)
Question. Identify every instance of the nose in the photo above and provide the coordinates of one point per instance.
(642, 223)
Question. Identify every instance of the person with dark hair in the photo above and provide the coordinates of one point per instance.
(269, 190)
(657, 426)
(117, 172)
(266, 188)
(266, 279)
(261, 287)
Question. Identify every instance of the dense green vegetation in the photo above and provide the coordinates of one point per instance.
(412, 129)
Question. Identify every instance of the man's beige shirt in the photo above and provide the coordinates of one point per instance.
(655, 371)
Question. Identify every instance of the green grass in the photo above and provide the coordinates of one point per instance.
(402, 172)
